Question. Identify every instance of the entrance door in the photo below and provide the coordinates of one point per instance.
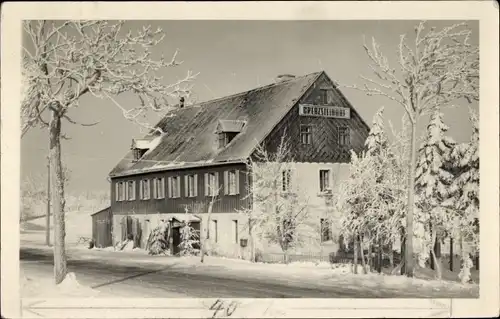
(176, 240)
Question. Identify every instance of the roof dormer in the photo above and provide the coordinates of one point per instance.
(140, 146)
(227, 130)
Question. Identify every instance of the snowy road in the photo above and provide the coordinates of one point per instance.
(160, 281)
(116, 274)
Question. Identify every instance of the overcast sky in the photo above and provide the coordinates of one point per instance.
(233, 56)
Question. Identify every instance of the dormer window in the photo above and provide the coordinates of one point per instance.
(225, 138)
(227, 130)
(141, 146)
(138, 153)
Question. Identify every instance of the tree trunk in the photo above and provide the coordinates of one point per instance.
(379, 257)
(47, 218)
(432, 260)
(451, 254)
(408, 256)
(391, 255)
(363, 263)
(355, 259)
(435, 257)
(205, 236)
(369, 256)
(252, 240)
(403, 254)
(57, 194)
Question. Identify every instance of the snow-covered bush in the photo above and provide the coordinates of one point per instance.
(190, 238)
(158, 240)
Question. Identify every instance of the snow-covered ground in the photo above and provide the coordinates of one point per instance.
(35, 285)
(318, 274)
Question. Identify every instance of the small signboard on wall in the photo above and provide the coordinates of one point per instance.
(324, 111)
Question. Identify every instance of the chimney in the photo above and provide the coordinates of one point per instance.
(181, 102)
(284, 78)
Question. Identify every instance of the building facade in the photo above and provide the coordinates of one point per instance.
(203, 151)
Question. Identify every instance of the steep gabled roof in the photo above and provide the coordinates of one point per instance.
(189, 132)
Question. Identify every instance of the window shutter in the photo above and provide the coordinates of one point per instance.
(226, 182)
(162, 187)
(126, 190)
(142, 184)
(207, 182)
(169, 191)
(117, 192)
(330, 179)
(186, 189)
(155, 188)
(133, 190)
(237, 181)
(195, 186)
(216, 190)
(350, 135)
(178, 181)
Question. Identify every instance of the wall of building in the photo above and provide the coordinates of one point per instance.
(198, 204)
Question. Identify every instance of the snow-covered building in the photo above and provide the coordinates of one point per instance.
(210, 144)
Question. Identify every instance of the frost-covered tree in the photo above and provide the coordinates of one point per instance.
(158, 240)
(431, 188)
(463, 196)
(64, 61)
(280, 212)
(438, 68)
(377, 137)
(190, 238)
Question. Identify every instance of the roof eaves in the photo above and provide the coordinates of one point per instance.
(173, 167)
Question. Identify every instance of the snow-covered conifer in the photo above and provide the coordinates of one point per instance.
(432, 184)
(377, 138)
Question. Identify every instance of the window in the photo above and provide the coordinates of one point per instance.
(235, 230)
(324, 96)
(131, 190)
(144, 190)
(326, 231)
(286, 177)
(159, 188)
(344, 136)
(231, 182)
(174, 187)
(213, 230)
(190, 185)
(306, 134)
(226, 138)
(120, 191)
(324, 180)
(211, 184)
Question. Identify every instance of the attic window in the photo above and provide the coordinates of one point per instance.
(138, 153)
(227, 131)
(226, 138)
(140, 147)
